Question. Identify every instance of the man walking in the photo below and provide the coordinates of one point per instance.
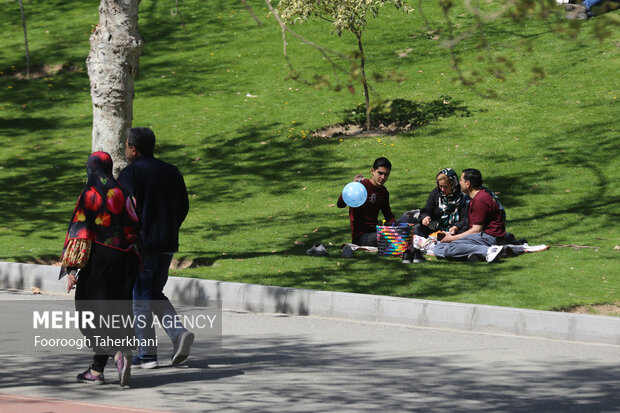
(163, 204)
(486, 221)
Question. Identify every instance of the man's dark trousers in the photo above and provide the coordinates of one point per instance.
(149, 299)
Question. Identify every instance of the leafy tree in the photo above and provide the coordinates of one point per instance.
(116, 45)
(345, 16)
(485, 14)
(350, 16)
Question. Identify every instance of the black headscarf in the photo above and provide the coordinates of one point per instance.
(449, 204)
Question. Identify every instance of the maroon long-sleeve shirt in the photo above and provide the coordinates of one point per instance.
(364, 218)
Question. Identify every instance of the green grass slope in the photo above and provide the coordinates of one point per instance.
(262, 190)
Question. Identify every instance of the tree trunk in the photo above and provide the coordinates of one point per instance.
(21, 8)
(115, 48)
(364, 81)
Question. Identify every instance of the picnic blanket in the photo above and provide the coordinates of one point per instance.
(356, 247)
(516, 249)
(519, 249)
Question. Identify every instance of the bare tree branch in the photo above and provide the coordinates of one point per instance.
(21, 8)
(176, 5)
(249, 9)
(324, 51)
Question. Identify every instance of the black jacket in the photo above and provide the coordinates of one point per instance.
(162, 200)
(432, 209)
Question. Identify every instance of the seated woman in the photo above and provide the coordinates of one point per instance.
(446, 207)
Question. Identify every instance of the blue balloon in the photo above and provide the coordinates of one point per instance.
(354, 194)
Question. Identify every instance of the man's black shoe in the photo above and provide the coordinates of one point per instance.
(407, 256)
(418, 257)
(347, 252)
(182, 346)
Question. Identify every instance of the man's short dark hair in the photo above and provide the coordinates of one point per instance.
(143, 139)
(473, 176)
(382, 162)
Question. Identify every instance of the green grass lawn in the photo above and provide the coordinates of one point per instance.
(262, 190)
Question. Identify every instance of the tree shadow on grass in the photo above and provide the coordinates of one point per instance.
(162, 55)
(592, 191)
(33, 96)
(16, 127)
(48, 43)
(43, 179)
(252, 158)
(332, 272)
(407, 114)
(165, 60)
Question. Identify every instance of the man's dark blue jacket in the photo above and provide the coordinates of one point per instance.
(162, 200)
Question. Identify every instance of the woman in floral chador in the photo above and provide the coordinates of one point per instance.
(102, 242)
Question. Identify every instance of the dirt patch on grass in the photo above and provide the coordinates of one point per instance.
(184, 263)
(599, 309)
(351, 129)
(38, 72)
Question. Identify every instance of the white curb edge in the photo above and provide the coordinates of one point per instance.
(407, 311)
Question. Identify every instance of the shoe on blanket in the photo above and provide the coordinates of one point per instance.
(407, 256)
(475, 258)
(347, 252)
(318, 250)
(418, 257)
(494, 253)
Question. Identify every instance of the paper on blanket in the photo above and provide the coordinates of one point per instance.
(356, 247)
(518, 249)
(535, 248)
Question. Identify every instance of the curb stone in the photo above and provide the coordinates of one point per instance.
(360, 307)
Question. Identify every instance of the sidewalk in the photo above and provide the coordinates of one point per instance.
(360, 307)
(286, 363)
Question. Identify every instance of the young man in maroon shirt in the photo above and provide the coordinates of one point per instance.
(486, 221)
(364, 218)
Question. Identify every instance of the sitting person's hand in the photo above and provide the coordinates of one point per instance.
(448, 238)
(453, 230)
(358, 178)
(71, 281)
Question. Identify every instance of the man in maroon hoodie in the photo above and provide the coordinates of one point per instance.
(364, 218)
(486, 224)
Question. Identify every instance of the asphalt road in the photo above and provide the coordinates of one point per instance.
(271, 362)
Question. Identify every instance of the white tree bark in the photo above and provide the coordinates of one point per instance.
(115, 48)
